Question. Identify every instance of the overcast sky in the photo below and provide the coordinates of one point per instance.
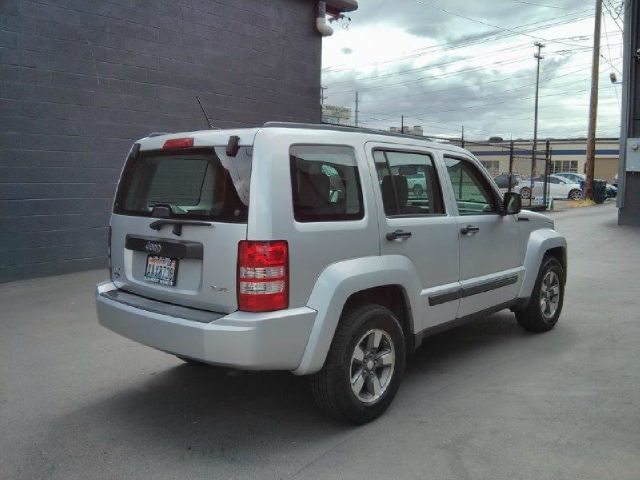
(421, 58)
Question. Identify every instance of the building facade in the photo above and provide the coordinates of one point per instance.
(568, 155)
(81, 80)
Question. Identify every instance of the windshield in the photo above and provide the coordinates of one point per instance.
(198, 183)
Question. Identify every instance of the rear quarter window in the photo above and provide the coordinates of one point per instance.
(325, 183)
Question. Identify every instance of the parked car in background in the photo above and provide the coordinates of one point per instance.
(611, 190)
(417, 183)
(558, 188)
(502, 180)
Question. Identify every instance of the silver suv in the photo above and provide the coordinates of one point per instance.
(302, 248)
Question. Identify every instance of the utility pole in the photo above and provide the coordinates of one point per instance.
(402, 124)
(538, 57)
(593, 105)
(462, 138)
(356, 112)
(322, 96)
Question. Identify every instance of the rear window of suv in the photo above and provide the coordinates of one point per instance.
(199, 183)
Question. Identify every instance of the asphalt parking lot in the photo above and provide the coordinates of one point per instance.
(484, 401)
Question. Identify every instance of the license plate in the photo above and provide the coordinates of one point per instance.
(161, 270)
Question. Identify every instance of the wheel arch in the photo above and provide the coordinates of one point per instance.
(392, 296)
(541, 242)
(380, 279)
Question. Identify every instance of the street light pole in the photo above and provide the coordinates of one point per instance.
(538, 57)
(593, 106)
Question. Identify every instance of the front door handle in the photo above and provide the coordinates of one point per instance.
(391, 236)
(469, 230)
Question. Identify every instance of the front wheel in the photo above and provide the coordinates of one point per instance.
(575, 195)
(545, 305)
(525, 193)
(364, 366)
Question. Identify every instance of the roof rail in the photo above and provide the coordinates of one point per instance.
(346, 128)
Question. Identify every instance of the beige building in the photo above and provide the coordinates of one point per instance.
(567, 155)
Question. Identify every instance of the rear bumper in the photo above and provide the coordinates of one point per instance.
(251, 341)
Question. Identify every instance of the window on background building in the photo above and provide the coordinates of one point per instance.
(564, 166)
(492, 166)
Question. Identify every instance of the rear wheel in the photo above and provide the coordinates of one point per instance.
(544, 308)
(525, 193)
(364, 366)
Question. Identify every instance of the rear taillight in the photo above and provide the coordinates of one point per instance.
(263, 276)
(178, 143)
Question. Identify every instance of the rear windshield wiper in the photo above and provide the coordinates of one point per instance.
(177, 224)
(164, 211)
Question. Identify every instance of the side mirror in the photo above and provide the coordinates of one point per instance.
(512, 203)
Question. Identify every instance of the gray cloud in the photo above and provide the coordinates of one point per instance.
(486, 100)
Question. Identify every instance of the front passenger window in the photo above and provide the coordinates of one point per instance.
(473, 193)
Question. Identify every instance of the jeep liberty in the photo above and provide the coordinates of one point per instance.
(310, 248)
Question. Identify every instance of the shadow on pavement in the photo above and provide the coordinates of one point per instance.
(205, 412)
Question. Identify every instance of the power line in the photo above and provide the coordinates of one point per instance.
(418, 80)
(470, 107)
(425, 67)
(607, 7)
(604, 24)
(448, 74)
(551, 77)
(539, 5)
(482, 22)
(477, 40)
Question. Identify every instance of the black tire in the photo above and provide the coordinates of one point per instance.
(532, 318)
(575, 195)
(191, 361)
(525, 193)
(331, 386)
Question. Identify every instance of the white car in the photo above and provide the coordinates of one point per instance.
(558, 188)
(417, 184)
(298, 247)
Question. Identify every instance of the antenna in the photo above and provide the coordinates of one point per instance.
(205, 114)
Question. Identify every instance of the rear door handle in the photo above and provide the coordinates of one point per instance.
(469, 230)
(397, 235)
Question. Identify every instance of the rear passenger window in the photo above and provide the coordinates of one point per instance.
(408, 182)
(325, 183)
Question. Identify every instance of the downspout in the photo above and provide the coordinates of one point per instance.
(321, 21)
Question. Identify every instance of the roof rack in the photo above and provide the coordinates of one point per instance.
(345, 128)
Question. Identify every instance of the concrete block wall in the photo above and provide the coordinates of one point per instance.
(81, 79)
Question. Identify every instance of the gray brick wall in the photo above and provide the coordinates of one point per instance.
(81, 79)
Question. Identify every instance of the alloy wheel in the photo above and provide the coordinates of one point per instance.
(372, 365)
(549, 295)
